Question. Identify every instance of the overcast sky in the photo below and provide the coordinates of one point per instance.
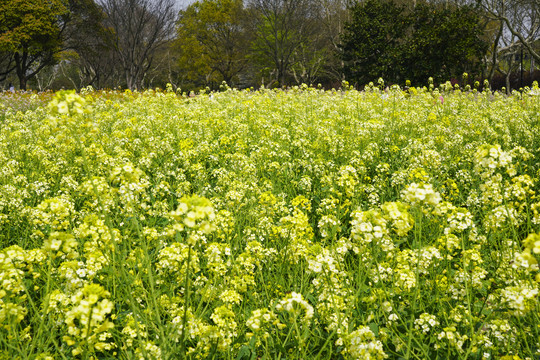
(182, 3)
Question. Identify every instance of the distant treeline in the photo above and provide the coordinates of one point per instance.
(137, 44)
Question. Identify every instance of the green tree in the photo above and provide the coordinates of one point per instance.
(445, 42)
(7, 64)
(283, 30)
(212, 41)
(372, 41)
(31, 30)
(389, 40)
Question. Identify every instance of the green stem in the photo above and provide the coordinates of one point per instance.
(186, 304)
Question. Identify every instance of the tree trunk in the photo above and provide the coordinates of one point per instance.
(21, 70)
(129, 81)
(27, 68)
(494, 57)
(22, 82)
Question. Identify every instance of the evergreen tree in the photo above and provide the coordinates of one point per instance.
(388, 40)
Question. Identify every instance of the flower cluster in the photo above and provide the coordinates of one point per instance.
(87, 320)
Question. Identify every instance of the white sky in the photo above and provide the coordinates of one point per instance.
(182, 3)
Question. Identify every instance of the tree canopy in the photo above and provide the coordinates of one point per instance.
(212, 41)
(389, 40)
(30, 30)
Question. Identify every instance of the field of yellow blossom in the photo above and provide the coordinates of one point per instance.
(270, 224)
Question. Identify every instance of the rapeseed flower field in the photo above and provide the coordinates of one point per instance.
(270, 224)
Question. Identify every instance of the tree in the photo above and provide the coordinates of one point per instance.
(282, 27)
(310, 59)
(212, 40)
(372, 40)
(445, 42)
(140, 28)
(334, 14)
(517, 26)
(316, 59)
(520, 18)
(398, 42)
(7, 64)
(31, 32)
(89, 44)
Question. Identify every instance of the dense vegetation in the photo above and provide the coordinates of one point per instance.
(270, 224)
(384, 39)
(138, 44)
